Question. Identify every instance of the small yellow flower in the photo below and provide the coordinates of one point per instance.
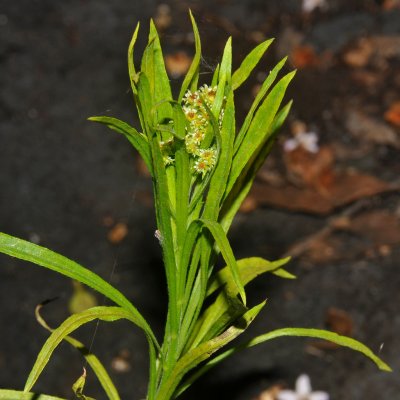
(206, 159)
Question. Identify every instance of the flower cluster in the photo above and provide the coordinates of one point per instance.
(194, 107)
(204, 156)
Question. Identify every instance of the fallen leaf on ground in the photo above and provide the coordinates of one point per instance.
(309, 6)
(117, 233)
(359, 55)
(370, 129)
(304, 56)
(163, 17)
(392, 115)
(310, 169)
(270, 393)
(177, 63)
(391, 4)
(345, 187)
(381, 227)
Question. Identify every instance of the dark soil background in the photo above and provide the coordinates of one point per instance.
(79, 189)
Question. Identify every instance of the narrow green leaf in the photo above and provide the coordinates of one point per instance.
(222, 241)
(138, 140)
(249, 269)
(39, 255)
(224, 78)
(220, 175)
(154, 67)
(223, 311)
(325, 335)
(226, 308)
(344, 341)
(144, 104)
(192, 76)
(249, 63)
(163, 193)
(6, 394)
(180, 121)
(72, 323)
(234, 198)
(131, 62)
(201, 353)
(260, 96)
(186, 275)
(299, 332)
(96, 365)
(259, 129)
(214, 80)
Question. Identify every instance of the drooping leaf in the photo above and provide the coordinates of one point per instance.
(94, 363)
(296, 332)
(213, 321)
(249, 63)
(72, 323)
(138, 140)
(41, 256)
(227, 308)
(222, 241)
(249, 269)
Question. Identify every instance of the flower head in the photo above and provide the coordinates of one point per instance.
(303, 391)
(205, 161)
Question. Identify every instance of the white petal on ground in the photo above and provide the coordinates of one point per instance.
(287, 395)
(310, 5)
(303, 386)
(319, 396)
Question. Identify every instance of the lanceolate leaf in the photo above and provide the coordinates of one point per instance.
(72, 323)
(260, 96)
(259, 128)
(249, 269)
(18, 395)
(226, 251)
(138, 140)
(296, 332)
(131, 62)
(249, 63)
(227, 308)
(96, 365)
(192, 76)
(39, 255)
(154, 68)
(234, 197)
(224, 311)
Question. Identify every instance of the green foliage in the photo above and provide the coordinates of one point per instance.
(202, 168)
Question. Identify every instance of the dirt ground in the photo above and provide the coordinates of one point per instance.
(78, 189)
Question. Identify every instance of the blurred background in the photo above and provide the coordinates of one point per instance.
(328, 195)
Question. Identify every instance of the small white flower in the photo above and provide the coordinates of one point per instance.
(310, 5)
(303, 391)
(307, 140)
